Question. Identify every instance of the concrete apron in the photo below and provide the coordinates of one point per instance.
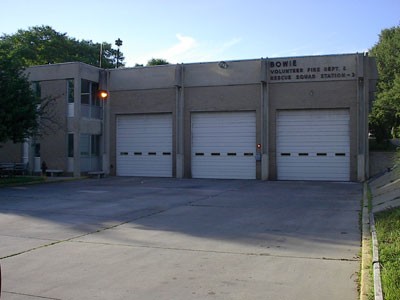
(130, 238)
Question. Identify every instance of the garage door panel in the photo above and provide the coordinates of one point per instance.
(144, 145)
(315, 141)
(210, 167)
(332, 164)
(316, 176)
(316, 149)
(223, 145)
(144, 166)
(313, 145)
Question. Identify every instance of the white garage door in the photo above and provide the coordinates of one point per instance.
(144, 145)
(313, 145)
(223, 145)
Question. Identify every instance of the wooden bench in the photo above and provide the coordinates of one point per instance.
(98, 174)
(53, 172)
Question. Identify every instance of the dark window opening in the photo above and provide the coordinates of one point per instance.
(70, 91)
(37, 150)
(70, 145)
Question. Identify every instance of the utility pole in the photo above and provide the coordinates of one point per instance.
(101, 54)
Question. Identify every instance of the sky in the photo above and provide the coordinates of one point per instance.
(211, 30)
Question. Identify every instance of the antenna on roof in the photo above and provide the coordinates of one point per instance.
(101, 54)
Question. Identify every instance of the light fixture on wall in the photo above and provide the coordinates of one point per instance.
(223, 65)
(103, 94)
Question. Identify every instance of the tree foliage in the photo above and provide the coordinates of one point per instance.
(385, 115)
(157, 62)
(43, 45)
(18, 104)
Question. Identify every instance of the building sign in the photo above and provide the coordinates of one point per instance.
(317, 68)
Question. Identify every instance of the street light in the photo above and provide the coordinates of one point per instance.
(118, 43)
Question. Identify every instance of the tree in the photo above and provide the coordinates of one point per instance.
(18, 104)
(43, 45)
(385, 115)
(157, 62)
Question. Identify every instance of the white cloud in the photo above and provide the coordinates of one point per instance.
(212, 51)
(185, 44)
(229, 44)
(172, 54)
(188, 49)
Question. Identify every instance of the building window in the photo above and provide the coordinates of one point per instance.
(90, 159)
(70, 90)
(85, 91)
(90, 145)
(91, 104)
(95, 145)
(37, 89)
(70, 97)
(85, 144)
(70, 145)
(37, 149)
(96, 101)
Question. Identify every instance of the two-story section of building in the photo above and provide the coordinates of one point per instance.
(70, 135)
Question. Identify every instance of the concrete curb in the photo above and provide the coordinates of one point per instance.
(62, 179)
(375, 261)
(365, 248)
(47, 180)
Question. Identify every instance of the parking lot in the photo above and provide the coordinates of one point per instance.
(154, 238)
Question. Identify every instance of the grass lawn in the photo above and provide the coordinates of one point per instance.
(19, 180)
(387, 225)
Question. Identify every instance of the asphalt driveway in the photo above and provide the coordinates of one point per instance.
(152, 238)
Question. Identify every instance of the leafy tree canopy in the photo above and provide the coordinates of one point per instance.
(43, 45)
(18, 103)
(385, 115)
(157, 62)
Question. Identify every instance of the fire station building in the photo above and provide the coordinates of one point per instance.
(295, 118)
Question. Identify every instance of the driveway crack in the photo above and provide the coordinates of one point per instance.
(29, 295)
(82, 235)
(261, 254)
